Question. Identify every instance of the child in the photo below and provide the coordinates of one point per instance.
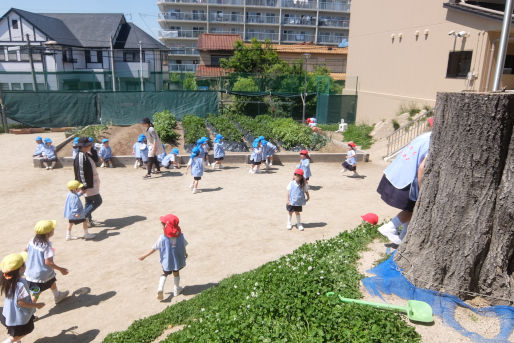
(136, 151)
(75, 147)
(39, 147)
(172, 250)
(351, 160)
(18, 311)
(256, 157)
(161, 156)
(305, 164)
(204, 149)
(297, 189)
(268, 150)
(219, 151)
(40, 261)
(48, 154)
(196, 165)
(74, 211)
(169, 162)
(105, 154)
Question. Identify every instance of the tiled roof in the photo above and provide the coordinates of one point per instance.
(214, 41)
(208, 71)
(309, 48)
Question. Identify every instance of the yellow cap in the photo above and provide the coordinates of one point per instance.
(13, 262)
(73, 185)
(44, 226)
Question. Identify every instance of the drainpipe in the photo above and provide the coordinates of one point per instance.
(504, 41)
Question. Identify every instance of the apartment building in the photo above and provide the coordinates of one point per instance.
(323, 22)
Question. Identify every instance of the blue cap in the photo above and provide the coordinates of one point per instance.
(38, 138)
(218, 138)
(90, 139)
(260, 138)
(75, 140)
(47, 140)
(174, 151)
(202, 140)
(264, 142)
(256, 142)
(105, 140)
(195, 152)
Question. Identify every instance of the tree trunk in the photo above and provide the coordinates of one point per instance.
(461, 236)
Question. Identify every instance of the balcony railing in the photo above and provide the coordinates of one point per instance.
(225, 18)
(262, 3)
(297, 20)
(183, 67)
(182, 1)
(183, 16)
(330, 39)
(227, 2)
(261, 36)
(298, 37)
(299, 4)
(183, 51)
(334, 6)
(180, 33)
(225, 32)
(262, 19)
(334, 22)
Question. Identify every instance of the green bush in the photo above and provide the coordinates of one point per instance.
(165, 125)
(282, 301)
(226, 127)
(290, 133)
(194, 128)
(359, 134)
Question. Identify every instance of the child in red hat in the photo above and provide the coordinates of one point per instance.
(297, 189)
(351, 160)
(172, 250)
(305, 164)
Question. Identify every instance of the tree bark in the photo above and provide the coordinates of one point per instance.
(461, 236)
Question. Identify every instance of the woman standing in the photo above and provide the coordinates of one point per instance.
(154, 147)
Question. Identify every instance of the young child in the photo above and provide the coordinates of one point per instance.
(162, 155)
(169, 162)
(18, 311)
(256, 157)
(49, 156)
(351, 161)
(75, 147)
(136, 151)
(105, 154)
(268, 150)
(39, 147)
(297, 189)
(219, 151)
(74, 211)
(172, 250)
(40, 261)
(196, 165)
(203, 144)
(305, 165)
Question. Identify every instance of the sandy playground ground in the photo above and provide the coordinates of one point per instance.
(236, 223)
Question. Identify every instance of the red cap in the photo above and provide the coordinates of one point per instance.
(431, 121)
(304, 152)
(371, 218)
(299, 171)
(308, 120)
(352, 144)
(171, 229)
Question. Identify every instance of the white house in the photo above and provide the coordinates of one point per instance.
(72, 51)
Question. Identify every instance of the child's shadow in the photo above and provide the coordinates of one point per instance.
(116, 224)
(80, 298)
(69, 335)
(229, 167)
(167, 173)
(313, 225)
(357, 176)
(191, 290)
(315, 188)
(206, 190)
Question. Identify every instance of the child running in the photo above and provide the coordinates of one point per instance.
(351, 161)
(268, 150)
(18, 312)
(196, 165)
(74, 211)
(297, 189)
(172, 250)
(40, 261)
(219, 151)
(305, 165)
(203, 144)
(105, 154)
(39, 147)
(256, 157)
(48, 154)
(169, 161)
(136, 151)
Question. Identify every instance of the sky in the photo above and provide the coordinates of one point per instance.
(143, 13)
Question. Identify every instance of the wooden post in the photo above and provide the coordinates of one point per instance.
(4, 116)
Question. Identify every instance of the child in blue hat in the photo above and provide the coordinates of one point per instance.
(105, 154)
(49, 156)
(256, 157)
(169, 161)
(39, 147)
(219, 151)
(268, 150)
(203, 144)
(196, 165)
(162, 155)
(75, 147)
(137, 151)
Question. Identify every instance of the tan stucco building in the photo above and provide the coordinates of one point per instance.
(405, 51)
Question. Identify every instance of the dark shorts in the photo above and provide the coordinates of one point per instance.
(218, 158)
(43, 286)
(398, 198)
(50, 159)
(255, 163)
(197, 178)
(290, 208)
(307, 178)
(76, 221)
(18, 330)
(169, 272)
(349, 166)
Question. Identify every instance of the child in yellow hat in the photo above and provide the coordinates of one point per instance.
(74, 211)
(40, 261)
(18, 312)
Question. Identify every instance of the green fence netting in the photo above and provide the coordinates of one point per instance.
(51, 109)
(332, 108)
(122, 108)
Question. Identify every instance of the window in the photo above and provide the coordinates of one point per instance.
(4, 86)
(215, 60)
(67, 55)
(14, 24)
(459, 63)
(132, 56)
(12, 56)
(2, 53)
(24, 55)
(508, 68)
(93, 56)
(28, 87)
(16, 86)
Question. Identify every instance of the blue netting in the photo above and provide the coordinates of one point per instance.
(389, 280)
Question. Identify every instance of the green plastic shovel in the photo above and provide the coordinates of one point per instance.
(418, 311)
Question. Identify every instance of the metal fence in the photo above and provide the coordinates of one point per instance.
(397, 140)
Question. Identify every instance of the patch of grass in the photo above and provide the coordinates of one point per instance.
(411, 108)
(396, 125)
(282, 301)
(329, 127)
(359, 134)
(94, 131)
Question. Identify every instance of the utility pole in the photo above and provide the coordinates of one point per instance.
(141, 66)
(304, 94)
(34, 82)
(112, 67)
(504, 41)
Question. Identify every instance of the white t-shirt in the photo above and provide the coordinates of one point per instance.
(305, 187)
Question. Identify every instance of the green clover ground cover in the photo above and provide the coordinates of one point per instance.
(194, 128)
(226, 127)
(282, 301)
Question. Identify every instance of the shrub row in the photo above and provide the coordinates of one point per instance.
(165, 124)
(194, 128)
(223, 125)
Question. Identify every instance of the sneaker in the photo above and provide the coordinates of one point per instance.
(220, 166)
(61, 296)
(271, 163)
(191, 186)
(300, 227)
(136, 164)
(102, 165)
(195, 190)
(251, 171)
(160, 295)
(390, 232)
(89, 236)
(177, 291)
(213, 165)
(70, 237)
(343, 171)
(147, 176)
(289, 226)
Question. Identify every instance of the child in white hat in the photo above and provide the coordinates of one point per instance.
(74, 211)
